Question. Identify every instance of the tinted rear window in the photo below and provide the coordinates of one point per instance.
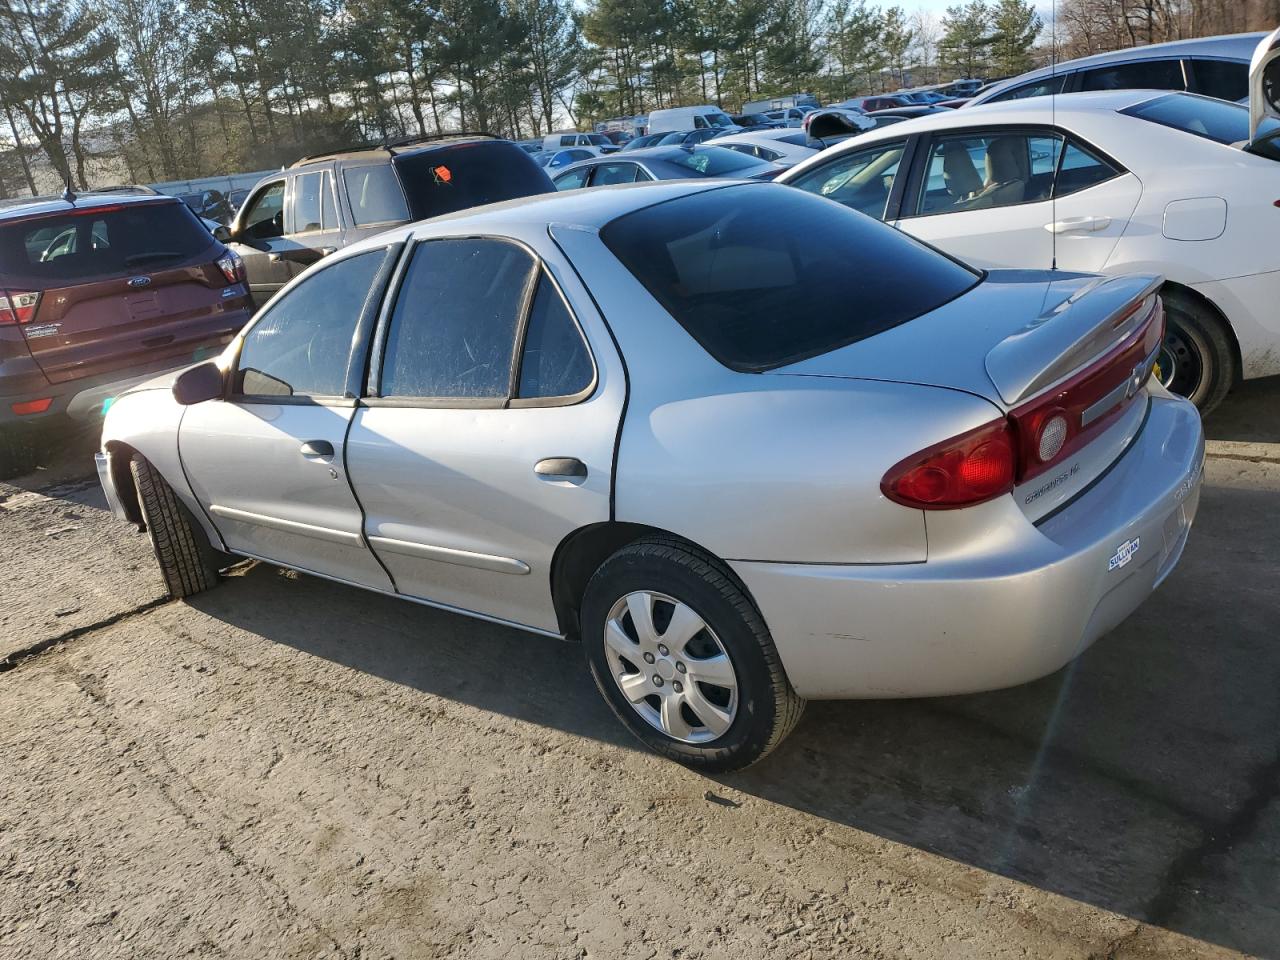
(464, 175)
(714, 162)
(773, 276)
(1206, 117)
(99, 242)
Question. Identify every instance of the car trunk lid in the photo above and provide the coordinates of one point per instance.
(1035, 346)
(106, 287)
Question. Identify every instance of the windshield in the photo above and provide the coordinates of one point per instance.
(446, 179)
(717, 162)
(770, 277)
(719, 119)
(1210, 119)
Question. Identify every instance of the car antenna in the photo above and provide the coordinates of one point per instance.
(1053, 120)
(68, 194)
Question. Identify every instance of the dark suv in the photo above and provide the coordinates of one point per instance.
(322, 203)
(101, 291)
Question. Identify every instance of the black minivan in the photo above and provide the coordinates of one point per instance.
(323, 203)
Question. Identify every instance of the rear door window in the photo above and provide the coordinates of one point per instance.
(572, 179)
(1140, 75)
(100, 241)
(1081, 169)
(308, 202)
(607, 173)
(453, 331)
(971, 171)
(555, 361)
(374, 194)
(1224, 79)
(763, 276)
(301, 346)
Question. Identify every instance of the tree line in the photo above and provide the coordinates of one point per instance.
(154, 90)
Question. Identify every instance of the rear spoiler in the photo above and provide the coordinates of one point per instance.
(1069, 335)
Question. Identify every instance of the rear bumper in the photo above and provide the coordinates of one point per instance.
(85, 398)
(1000, 601)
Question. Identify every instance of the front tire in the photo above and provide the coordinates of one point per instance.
(1196, 360)
(188, 562)
(682, 656)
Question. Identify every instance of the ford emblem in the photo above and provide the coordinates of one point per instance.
(139, 282)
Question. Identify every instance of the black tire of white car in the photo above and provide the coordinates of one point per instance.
(767, 706)
(1202, 332)
(188, 562)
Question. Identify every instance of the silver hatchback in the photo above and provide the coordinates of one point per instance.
(748, 446)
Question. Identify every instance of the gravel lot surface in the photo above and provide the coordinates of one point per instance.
(285, 767)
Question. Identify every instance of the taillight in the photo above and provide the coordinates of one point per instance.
(17, 307)
(960, 472)
(28, 407)
(1059, 422)
(232, 267)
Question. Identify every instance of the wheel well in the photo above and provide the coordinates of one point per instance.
(581, 553)
(1198, 298)
(120, 454)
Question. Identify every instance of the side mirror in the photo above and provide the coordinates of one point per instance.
(222, 233)
(205, 381)
(1264, 82)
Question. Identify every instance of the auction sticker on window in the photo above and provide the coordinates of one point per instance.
(1124, 553)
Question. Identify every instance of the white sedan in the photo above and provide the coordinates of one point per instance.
(1111, 183)
(786, 146)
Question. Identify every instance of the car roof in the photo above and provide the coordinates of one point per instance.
(1030, 110)
(1239, 46)
(758, 136)
(394, 149)
(20, 208)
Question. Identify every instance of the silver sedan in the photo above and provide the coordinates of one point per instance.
(748, 446)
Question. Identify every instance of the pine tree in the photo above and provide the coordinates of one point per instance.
(1015, 26)
(966, 37)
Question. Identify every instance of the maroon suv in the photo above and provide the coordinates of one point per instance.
(102, 291)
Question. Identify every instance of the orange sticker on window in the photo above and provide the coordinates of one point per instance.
(443, 174)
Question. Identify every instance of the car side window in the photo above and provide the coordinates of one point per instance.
(572, 179)
(265, 217)
(1223, 79)
(307, 216)
(301, 345)
(1080, 170)
(1037, 88)
(375, 195)
(981, 171)
(1139, 75)
(861, 180)
(555, 361)
(607, 173)
(453, 331)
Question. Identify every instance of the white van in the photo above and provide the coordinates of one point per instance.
(689, 118)
(571, 138)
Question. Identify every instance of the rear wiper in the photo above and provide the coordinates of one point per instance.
(157, 255)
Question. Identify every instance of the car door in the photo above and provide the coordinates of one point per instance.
(268, 461)
(984, 196)
(489, 436)
(1093, 202)
(258, 236)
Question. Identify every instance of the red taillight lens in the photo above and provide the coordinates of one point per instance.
(17, 307)
(1059, 422)
(960, 472)
(232, 267)
(31, 406)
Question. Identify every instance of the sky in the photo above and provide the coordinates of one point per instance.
(939, 7)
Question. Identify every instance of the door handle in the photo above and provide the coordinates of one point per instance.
(1079, 225)
(561, 468)
(321, 450)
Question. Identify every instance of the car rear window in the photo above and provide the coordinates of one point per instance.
(764, 276)
(462, 175)
(714, 161)
(1206, 117)
(92, 242)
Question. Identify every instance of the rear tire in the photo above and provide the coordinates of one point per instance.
(672, 679)
(188, 562)
(1197, 360)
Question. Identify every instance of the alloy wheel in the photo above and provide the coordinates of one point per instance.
(671, 667)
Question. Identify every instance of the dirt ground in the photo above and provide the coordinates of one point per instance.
(285, 767)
